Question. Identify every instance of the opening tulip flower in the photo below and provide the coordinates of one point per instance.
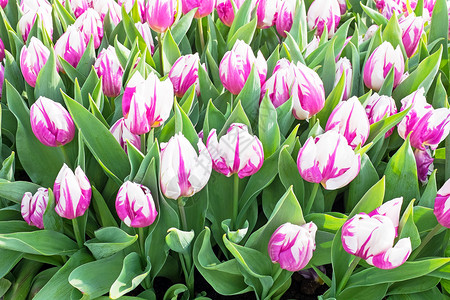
(344, 66)
(324, 12)
(442, 205)
(32, 60)
(184, 74)
(285, 16)
(27, 20)
(279, 85)
(34, 206)
(161, 14)
(110, 70)
(204, 7)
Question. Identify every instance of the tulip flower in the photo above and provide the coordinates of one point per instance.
(343, 6)
(146, 103)
(51, 122)
(2, 78)
(424, 162)
(33, 207)
(380, 62)
(91, 24)
(370, 32)
(431, 129)
(371, 237)
(442, 205)
(2, 50)
(184, 74)
(388, 7)
(110, 70)
(225, 10)
(135, 205)
(72, 193)
(312, 46)
(266, 13)
(204, 7)
(324, 12)
(122, 134)
(379, 107)
(329, 160)
(285, 16)
(128, 4)
(71, 46)
(27, 20)
(78, 6)
(237, 152)
(279, 85)
(3, 3)
(412, 29)
(292, 245)
(183, 172)
(390, 209)
(146, 34)
(34, 5)
(344, 66)
(236, 66)
(161, 14)
(32, 60)
(104, 6)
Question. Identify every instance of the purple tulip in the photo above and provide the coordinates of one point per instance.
(184, 74)
(266, 12)
(91, 24)
(33, 207)
(3, 3)
(431, 129)
(72, 193)
(285, 16)
(78, 6)
(236, 66)
(27, 20)
(379, 107)
(412, 29)
(279, 85)
(312, 46)
(380, 62)
(344, 66)
(225, 10)
(109, 69)
(183, 171)
(146, 33)
(329, 160)
(424, 162)
(105, 6)
(128, 4)
(51, 122)
(205, 7)
(161, 14)
(2, 50)
(32, 60)
(324, 12)
(292, 245)
(71, 46)
(122, 134)
(135, 205)
(146, 103)
(236, 152)
(442, 205)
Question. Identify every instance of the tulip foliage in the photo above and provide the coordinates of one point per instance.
(164, 149)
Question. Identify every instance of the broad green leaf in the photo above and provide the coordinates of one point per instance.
(415, 285)
(407, 228)
(9, 260)
(378, 129)
(290, 176)
(392, 33)
(378, 18)
(372, 199)
(268, 130)
(430, 192)
(180, 28)
(366, 178)
(328, 72)
(241, 18)
(108, 241)
(250, 95)
(237, 116)
(207, 89)
(14, 191)
(48, 82)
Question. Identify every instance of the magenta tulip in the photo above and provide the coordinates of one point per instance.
(442, 205)
(3, 3)
(122, 134)
(161, 14)
(184, 73)
(324, 12)
(109, 69)
(34, 206)
(91, 24)
(2, 50)
(344, 66)
(379, 107)
(279, 85)
(225, 10)
(32, 60)
(204, 7)
(412, 29)
(285, 16)
(71, 46)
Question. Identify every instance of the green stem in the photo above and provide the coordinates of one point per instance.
(322, 276)
(200, 32)
(347, 274)
(142, 243)
(310, 202)
(182, 213)
(312, 121)
(66, 156)
(425, 241)
(76, 231)
(144, 143)
(235, 199)
(160, 43)
(232, 101)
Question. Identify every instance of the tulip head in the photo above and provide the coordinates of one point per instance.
(111, 6)
(72, 193)
(91, 24)
(32, 60)
(122, 134)
(146, 33)
(442, 205)
(128, 4)
(431, 129)
(78, 7)
(27, 20)
(370, 32)
(3, 3)
(312, 46)
(344, 66)
(343, 6)
(71, 46)
(412, 29)
(379, 107)
(266, 12)
(225, 10)
(279, 85)
(184, 74)
(204, 7)
(161, 14)
(2, 78)
(292, 245)
(424, 162)
(110, 70)
(285, 16)
(324, 12)
(135, 205)
(33, 207)
(2, 50)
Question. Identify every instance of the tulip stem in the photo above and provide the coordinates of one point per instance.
(144, 143)
(235, 200)
(161, 58)
(232, 101)
(425, 241)
(66, 156)
(200, 32)
(312, 122)
(312, 196)
(182, 213)
(347, 275)
(142, 242)
(77, 233)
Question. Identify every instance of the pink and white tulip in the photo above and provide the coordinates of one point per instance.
(2, 50)
(32, 60)
(390, 209)
(2, 78)
(292, 246)
(324, 12)
(380, 62)
(312, 46)
(388, 7)
(146, 103)
(109, 69)
(183, 171)
(266, 12)
(370, 32)
(72, 193)
(51, 123)
(442, 205)
(78, 7)
(343, 6)
(135, 205)
(278, 86)
(146, 33)
(27, 20)
(91, 24)
(344, 66)
(3, 3)
(128, 4)
(225, 10)
(122, 134)
(236, 152)
(379, 107)
(33, 207)
(204, 7)
(105, 6)
(184, 73)
(161, 14)
(34, 5)
(431, 129)
(71, 46)
(329, 160)
(285, 16)
(424, 162)
(412, 30)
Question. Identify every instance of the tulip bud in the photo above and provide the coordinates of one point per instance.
(237, 151)
(424, 162)
(72, 193)
(312, 46)
(380, 62)
(128, 4)
(279, 85)
(104, 6)
(32, 60)
(2, 78)
(343, 6)
(412, 29)
(51, 123)
(33, 207)
(370, 32)
(183, 172)
(146, 103)
(292, 246)
(266, 13)
(109, 69)
(91, 24)
(146, 34)
(135, 205)
(285, 16)
(236, 66)
(344, 66)
(184, 74)
(2, 50)
(3, 3)
(329, 160)
(161, 14)
(205, 7)
(122, 134)
(78, 6)
(27, 20)
(34, 5)
(324, 12)
(379, 107)
(442, 205)
(225, 10)
(431, 129)
(71, 46)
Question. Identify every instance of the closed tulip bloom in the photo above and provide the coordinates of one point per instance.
(146, 103)
(91, 24)
(34, 5)
(236, 66)
(431, 129)
(2, 50)
(110, 70)
(144, 30)
(266, 13)
(33, 207)
(349, 119)
(104, 6)
(236, 152)
(225, 10)
(412, 29)
(71, 46)
(205, 7)
(380, 62)
(424, 162)
(3, 3)
(122, 134)
(285, 16)
(135, 205)
(344, 66)
(390, 209)
(329, 160)
(379, 107)
(51, 122)
(442, 205)
(183, 171)
(161, 14)
(312, 46)
(393, 257)
(128, 4)
(78, 6)
(279, 85)
(184, 73)
(292, 246)
(2, 78)
(32, 60)
(27, 20)
(72, 193)
(324, 12)
(343, 6)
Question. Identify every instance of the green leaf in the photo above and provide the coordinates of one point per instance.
(388, 84)
(366, 178)
(52, 221)
(13, 191)
(393, 34)
(332, 100)
(250, 95)
(328, 72)
(439, 32)
(407, 227)
(180, 28)
(268, 130)
(104, 215)
(48, 82)
(176, 290)
(108, 241)
(207, 89)
(430, 192)
(245, 33)
(415, 285)
(290, 176)
(214, 119)
(9, 260)
(378, 18)
(179, 241)
(237, 116)
(372, 199)
(184, 125)
(241, 18)
(86, 62)
(299, 27)
(378, 129)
